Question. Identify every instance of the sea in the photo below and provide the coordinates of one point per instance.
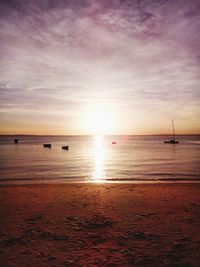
(124, 158)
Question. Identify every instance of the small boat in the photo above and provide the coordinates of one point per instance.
(65, 147)
(47, 145)
(172, 141)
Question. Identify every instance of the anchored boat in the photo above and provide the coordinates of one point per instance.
(65, 147)
(47, 145)
(172, 141)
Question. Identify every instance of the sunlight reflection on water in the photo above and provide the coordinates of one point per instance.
(99, 158)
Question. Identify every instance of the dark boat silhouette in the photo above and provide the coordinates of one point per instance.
(172, 141)
(47, 145)
(65, 147)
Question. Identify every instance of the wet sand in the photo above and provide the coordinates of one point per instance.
(100, 225)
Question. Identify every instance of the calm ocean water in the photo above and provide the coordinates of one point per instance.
(96, 158)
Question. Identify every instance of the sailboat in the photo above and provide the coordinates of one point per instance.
(172, 141)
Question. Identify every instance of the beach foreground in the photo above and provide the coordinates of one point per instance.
(100, 225)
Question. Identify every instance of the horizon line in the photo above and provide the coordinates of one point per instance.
(99, 134)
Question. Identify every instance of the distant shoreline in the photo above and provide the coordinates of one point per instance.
(87, 135)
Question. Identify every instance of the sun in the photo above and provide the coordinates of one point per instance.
(100, 120)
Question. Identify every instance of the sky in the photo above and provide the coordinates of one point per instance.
(99, 67)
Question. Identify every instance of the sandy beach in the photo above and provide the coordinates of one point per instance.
(100, 225)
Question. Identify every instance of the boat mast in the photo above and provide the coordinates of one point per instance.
(173, 129)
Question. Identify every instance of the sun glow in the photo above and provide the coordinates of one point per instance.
(100, 121)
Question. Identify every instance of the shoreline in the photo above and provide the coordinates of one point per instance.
(14, 182)
(110, 224)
